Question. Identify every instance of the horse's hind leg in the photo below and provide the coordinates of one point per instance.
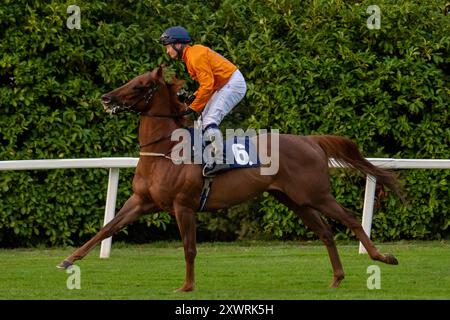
(133, 208)
(330, 207)
(312, 219)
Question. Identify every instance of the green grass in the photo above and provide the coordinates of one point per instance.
(242, 270)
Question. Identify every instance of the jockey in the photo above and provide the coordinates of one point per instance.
(221, 87)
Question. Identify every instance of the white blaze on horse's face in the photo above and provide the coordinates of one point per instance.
(130, 96)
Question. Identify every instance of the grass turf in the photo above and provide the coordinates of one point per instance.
(240, 270)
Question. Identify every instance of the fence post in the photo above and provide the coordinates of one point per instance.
(110, 208)
(369, 197)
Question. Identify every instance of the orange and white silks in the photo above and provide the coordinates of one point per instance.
(209, 69)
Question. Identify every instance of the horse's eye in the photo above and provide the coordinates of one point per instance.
(138, 88)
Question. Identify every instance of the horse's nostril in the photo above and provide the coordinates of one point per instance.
(106, 99)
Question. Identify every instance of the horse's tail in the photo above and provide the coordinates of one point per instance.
(345, 152)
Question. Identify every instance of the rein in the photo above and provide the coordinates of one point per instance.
(155, 141)
(170, 115)
(148, 96)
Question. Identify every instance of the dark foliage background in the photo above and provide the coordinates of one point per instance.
(313, 67)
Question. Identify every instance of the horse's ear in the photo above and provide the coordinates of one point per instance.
(177, 83)
(158, 73)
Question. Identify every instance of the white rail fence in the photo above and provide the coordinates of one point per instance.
(114, 164)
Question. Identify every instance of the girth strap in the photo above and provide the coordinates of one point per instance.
(207, 181)
(205, 192)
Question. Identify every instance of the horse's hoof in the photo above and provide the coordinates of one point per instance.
(64, 265)
(185, 289)
(390, 259)
(336, 281)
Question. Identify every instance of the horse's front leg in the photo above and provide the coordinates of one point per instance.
(133, 208)
(186, 224)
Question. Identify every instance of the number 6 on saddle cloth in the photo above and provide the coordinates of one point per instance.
(238, 152)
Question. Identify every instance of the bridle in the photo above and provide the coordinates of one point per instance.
(147, 97)
(155, 141)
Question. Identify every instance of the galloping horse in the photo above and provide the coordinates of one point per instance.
(301, 183)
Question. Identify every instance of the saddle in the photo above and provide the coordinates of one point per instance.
(238, 152)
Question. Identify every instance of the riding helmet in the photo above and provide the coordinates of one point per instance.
(175, 34)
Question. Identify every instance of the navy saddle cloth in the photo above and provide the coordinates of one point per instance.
(239, 152)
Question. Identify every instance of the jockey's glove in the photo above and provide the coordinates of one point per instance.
(190, 99)
(187, 103)
(187, 111)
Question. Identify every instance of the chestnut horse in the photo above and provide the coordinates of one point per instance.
(301, 183)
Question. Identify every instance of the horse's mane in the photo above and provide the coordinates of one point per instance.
(175, 105)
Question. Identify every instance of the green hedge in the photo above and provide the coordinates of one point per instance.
(313, 67)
